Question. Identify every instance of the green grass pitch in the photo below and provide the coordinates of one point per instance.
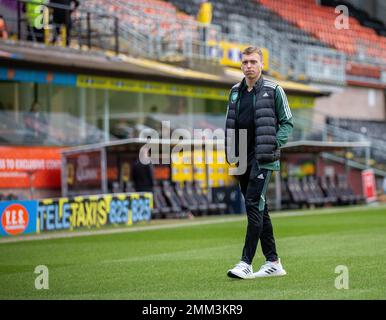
(190, 262)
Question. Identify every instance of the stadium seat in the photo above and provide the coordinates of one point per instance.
(161, 207)
(250, 10)
(345, 188)
(173, 200)
(186, 200)
(296, 193)
(312, 197)
(214, 207)
(203, 205)
(320, 22)
(285, 195)
(318, 192)
(342, 197)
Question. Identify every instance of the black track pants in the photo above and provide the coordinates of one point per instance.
(254, 184)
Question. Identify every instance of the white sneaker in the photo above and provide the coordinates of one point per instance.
(242, 270)
(270, 269)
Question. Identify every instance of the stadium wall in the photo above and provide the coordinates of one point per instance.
(351, 102)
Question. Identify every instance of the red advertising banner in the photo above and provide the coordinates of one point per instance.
(21, 167)
(368, 184)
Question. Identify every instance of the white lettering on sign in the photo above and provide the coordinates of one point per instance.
(30, 164)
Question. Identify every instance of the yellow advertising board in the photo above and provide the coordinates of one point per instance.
(230, 53)
(152, 87)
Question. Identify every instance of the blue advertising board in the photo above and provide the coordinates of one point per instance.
(18, 217)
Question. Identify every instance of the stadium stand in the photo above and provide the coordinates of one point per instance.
(372, 129)
(362, 16)
(146, 23)
(249, 11)
(320, 22)
(169, 32)
(364, 130)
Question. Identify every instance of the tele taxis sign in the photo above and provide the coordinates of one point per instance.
(96, 211)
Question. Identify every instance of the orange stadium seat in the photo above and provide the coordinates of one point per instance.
(146, 15)
(320, 22)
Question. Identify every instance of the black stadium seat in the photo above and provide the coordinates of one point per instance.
(204, 207)
(186, 201)
(345, 188)
(296, 193)
(161, 208)
(312, 198)
(214, 207)
(315, 187)
(173, 200)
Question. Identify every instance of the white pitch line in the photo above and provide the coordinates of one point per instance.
(73, 234)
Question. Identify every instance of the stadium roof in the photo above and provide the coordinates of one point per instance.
(304, 146)
(37, 56)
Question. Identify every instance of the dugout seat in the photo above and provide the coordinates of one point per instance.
(161, 208)
(345, 188)
(296, 193)
(173, 200)
(185, 200)
(312, 198)
(214, 207)
(343, 199)
(317, 190)
(203, 207)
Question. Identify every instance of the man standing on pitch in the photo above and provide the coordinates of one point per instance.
(260, 107)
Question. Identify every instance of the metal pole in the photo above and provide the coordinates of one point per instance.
(18, 21)
(367, 157)
(88, 31)
(116, 34)
(64, 176)
(82, 115)
(106, 116)
(103, 170)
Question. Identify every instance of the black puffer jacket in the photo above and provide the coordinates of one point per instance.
(266, 149)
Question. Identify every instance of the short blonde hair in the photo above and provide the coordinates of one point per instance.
(250, 50)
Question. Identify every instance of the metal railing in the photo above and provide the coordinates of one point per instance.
(306, 129)
(84, 28)
(137, 28)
